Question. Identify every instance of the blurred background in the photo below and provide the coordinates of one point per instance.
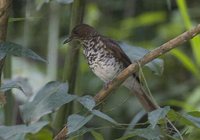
(42, 25)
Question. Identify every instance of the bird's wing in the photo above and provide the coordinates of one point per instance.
(116, 50)
(119, 53)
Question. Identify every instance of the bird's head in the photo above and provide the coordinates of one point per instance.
(81, 32)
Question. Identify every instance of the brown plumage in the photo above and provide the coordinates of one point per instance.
(106, 59)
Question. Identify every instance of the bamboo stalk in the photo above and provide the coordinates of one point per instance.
(53, 36)
(9, 106)
(4, 11)
(71, 64)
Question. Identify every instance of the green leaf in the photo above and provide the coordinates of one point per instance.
(19, 131)
(186, 61)
(135, 53)
(128, 24)
(16, 19)
(23, 19)
(80, 132)
(18, 137)
(157, 114)
(43, 134)
(147, 133)
(194, 120)
(9, 48)
(87, 101)
(104, 116)
(184, 119)
(127, 136)
(174, 116)
(144, 19)
(65, 1)
(134, 121)
(19, 83)
(97, 135)
(182, 104)
(40, 3)
(194, 98)
(49, 98)
(195, 42)
(75, 122)
(195, 113)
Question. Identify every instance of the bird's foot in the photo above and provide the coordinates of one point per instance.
(107, 84)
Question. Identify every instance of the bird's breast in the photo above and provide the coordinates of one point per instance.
(102, 62)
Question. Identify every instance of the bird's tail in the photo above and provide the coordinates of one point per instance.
(147, 102)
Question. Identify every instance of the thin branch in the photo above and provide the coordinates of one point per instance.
(116, 82)
(62, 134)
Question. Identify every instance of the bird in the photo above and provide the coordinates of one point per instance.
(106, 59)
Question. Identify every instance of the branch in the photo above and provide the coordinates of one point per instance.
(116, 82)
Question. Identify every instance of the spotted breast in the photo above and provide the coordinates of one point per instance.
(102, 62)
(107, 59)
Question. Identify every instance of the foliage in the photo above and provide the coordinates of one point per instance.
(147, 133)
(188, 24)
(19, 131)
(157, 115)
(40, 3)
(147, 24)
(19, 83)
(193, 67)
(75, 122)
(49, 98)
(87, 101)
(9, 48)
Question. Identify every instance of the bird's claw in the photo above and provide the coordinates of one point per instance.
(107, 84)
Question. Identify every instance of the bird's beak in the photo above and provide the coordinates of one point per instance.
(68, 39)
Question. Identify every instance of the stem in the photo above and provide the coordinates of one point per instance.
(27, 24)
(53, 36)
(9, 106)
(4, 11)
(71, 64)
(10, 109)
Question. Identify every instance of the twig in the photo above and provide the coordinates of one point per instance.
(174, 128)
(62, 134)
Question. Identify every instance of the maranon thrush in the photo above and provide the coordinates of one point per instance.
(106, 59)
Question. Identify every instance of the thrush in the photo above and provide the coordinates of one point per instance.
(106, 59)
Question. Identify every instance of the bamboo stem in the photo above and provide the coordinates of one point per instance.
(9, 112)
(71, 64)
